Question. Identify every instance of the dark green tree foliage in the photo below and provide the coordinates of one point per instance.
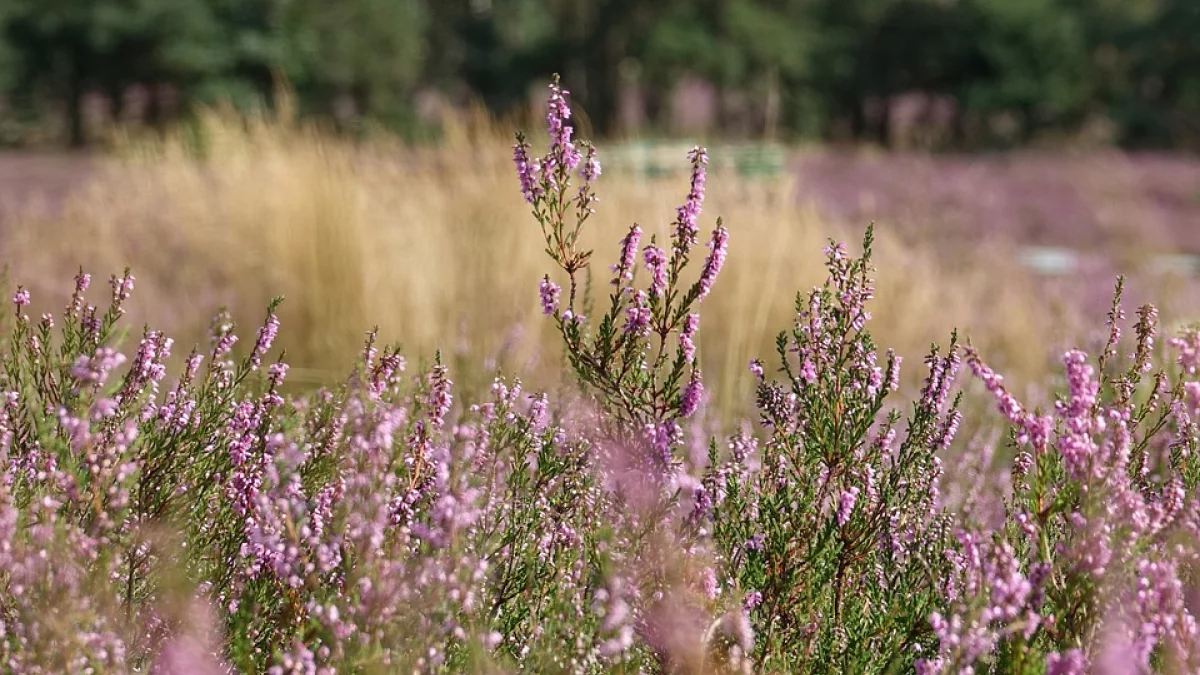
(364, 52)
(1034, 62)
(1014, 70)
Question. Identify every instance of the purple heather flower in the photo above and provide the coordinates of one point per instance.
(656, 262)
(942, 372)
(82, 282)
(1076, 444)
(1032, 429)
(687, 335)
(711, 588)
(1070, 662)
(549, 293)
(755, 543)
(663, 438)
(1188, 346)
(690, 401)
(95, 369)
(527, 171)
(893, 374)
(846, 505)
(688, 215)
(276, 373)
(266, 337)
(624, 267)
(753, 599)
(718, 249)
(808, 371)
(21, 298)
(440, 398)
(224, 345)
(949, 430)
(756, 369)
(589, 171)
(1147, 331)
(637, 317)
(557, 114)
(121, 288)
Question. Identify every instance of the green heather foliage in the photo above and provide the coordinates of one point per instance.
(199, 521)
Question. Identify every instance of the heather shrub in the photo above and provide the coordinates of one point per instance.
(366, 528)
(1085, 560)
(827, 539)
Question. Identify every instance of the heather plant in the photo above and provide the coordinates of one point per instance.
(1088, 568)
(834, 532)
(829, 547)
(368, 528)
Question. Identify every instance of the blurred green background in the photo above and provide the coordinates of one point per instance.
(963, 74)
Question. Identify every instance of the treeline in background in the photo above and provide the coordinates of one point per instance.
(963, 74)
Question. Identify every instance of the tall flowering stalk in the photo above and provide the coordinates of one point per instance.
(646, 379)
(546, 185)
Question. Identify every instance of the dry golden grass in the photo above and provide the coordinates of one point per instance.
(435, 245)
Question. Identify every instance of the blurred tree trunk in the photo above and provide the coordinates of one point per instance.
(772, 106)
(155, 116)
(76, 133)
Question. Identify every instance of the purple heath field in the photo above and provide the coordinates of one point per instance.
(488, 406)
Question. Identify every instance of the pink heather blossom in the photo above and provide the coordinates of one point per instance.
(656, 262)
(663, 438)
(1188, 346)
(1070, 662)
(549, 293)
(637, 317)
(1076, 443)
(527, 171)
(1147, 331)
(623, 270)
(718, 249)
(266, 337)
(692, 394)
(439, 398)
(1032, 429)
(589, 171)
(756, 369)
(688, 215)
(21, 297)
(82, 282)
(224, 345)
(846, 505)
(753, 599)
(948, 430)
(687, 345)
(942, 372)
(893, 383)
(94, 370)
(808, 371)
(557, 113)
(711, 587)
(121, 288)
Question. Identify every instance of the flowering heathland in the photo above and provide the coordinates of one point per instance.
(202, 521)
